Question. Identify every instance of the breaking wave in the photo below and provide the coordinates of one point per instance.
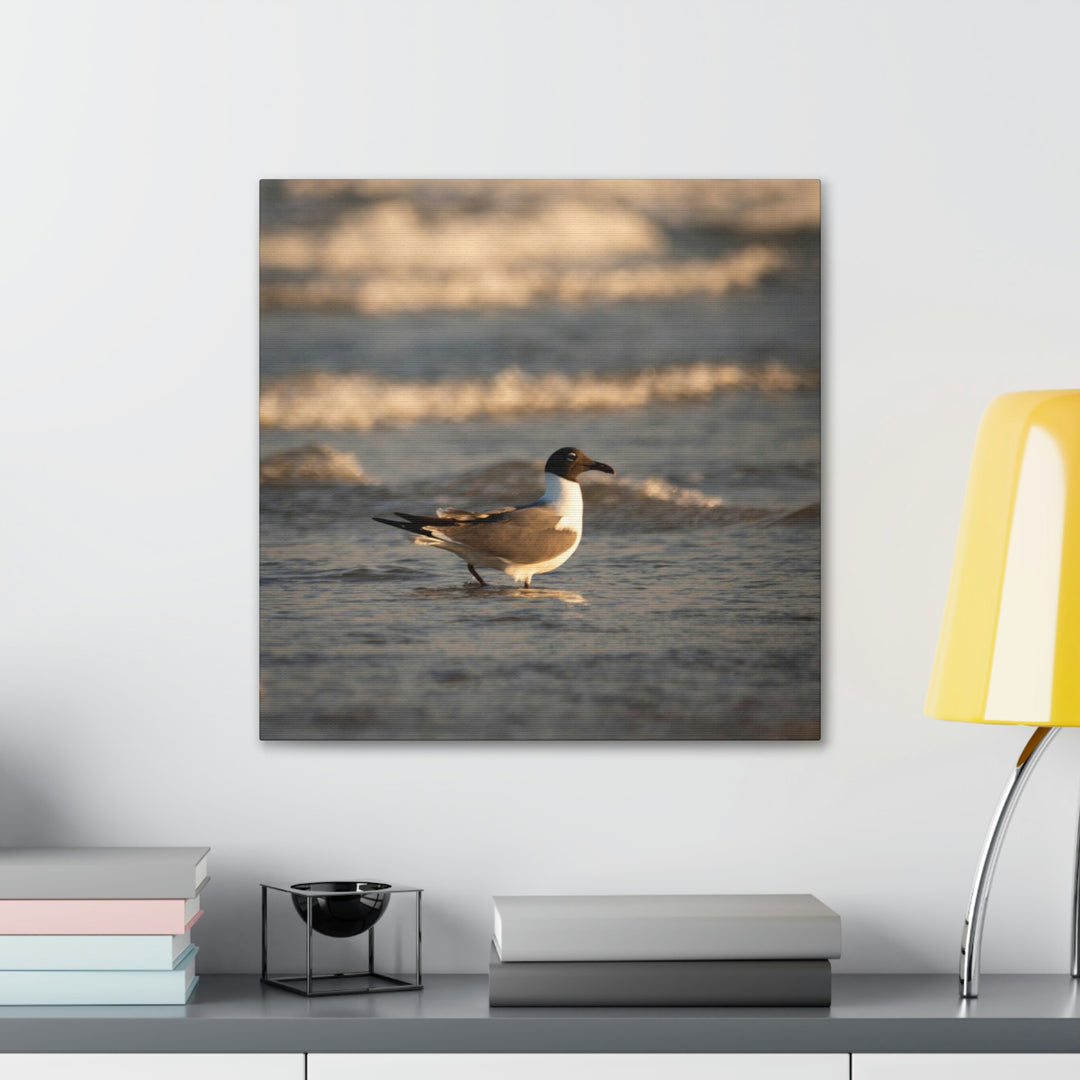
(384, 247)
(379, 247)
(394, 234)
(454, 288)
(655, 489)
(658, 504)
(315, 463)
(778, 207)
(359, 402)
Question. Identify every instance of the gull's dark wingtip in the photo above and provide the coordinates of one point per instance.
(408, 526)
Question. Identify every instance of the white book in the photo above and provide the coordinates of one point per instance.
(116, 873)
(788, 926)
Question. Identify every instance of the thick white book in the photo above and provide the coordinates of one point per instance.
(105, 873)
(91, 952)
(786, 926)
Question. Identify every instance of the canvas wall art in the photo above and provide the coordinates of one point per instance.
(540, 459)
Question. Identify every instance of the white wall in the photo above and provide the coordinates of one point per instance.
(133, 138)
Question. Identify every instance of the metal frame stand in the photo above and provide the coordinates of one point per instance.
(342, 982)
(971, 944)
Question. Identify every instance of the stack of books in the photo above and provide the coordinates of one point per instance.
(663, 950)
(99, 926)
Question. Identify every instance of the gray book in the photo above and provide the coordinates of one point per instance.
(693, 927)
(117, 873)
(747, 983)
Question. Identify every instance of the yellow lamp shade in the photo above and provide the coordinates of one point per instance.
(1009, 650)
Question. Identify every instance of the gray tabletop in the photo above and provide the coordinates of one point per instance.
(869, 1014)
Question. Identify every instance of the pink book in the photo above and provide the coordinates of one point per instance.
(99, 916)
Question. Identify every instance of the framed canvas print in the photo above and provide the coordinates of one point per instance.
(540, 459)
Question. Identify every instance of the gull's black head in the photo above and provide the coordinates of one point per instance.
(570, 463)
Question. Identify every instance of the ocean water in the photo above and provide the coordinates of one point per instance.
(691, 609)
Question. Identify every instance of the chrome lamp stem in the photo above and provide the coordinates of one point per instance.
(971, 945)
(1076, 913)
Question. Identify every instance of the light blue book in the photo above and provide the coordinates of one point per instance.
(169, 987)
(91, 952)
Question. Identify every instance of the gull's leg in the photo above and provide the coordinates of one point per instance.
(472, 570)
(971, 946)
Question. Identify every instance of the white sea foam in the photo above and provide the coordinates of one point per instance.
(758, 206)
(390, 246)
(660, 490)
(395, 233)
(315, 463)
(359, 402)
(458, 285)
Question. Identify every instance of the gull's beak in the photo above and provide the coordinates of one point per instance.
(599, 466)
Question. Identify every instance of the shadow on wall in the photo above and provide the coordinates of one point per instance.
(31, 815)
(878, 944)
(442, 924)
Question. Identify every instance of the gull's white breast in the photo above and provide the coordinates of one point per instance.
(564, 496)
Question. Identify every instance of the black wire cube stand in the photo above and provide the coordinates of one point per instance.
(312, 903)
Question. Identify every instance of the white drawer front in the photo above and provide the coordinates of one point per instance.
(152, 1066)
(965, 1066)
(578, 1066)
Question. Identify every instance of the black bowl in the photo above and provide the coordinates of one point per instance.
(342, 916)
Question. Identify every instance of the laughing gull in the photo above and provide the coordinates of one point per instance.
(519, 540)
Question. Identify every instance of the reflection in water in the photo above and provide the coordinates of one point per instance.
(471, 590)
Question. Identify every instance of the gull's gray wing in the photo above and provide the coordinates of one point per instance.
(525, 536)
(469, 515)
(450, 516)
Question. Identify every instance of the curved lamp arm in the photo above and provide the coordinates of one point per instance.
(971, 945)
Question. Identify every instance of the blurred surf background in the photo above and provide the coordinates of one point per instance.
(429, 343)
